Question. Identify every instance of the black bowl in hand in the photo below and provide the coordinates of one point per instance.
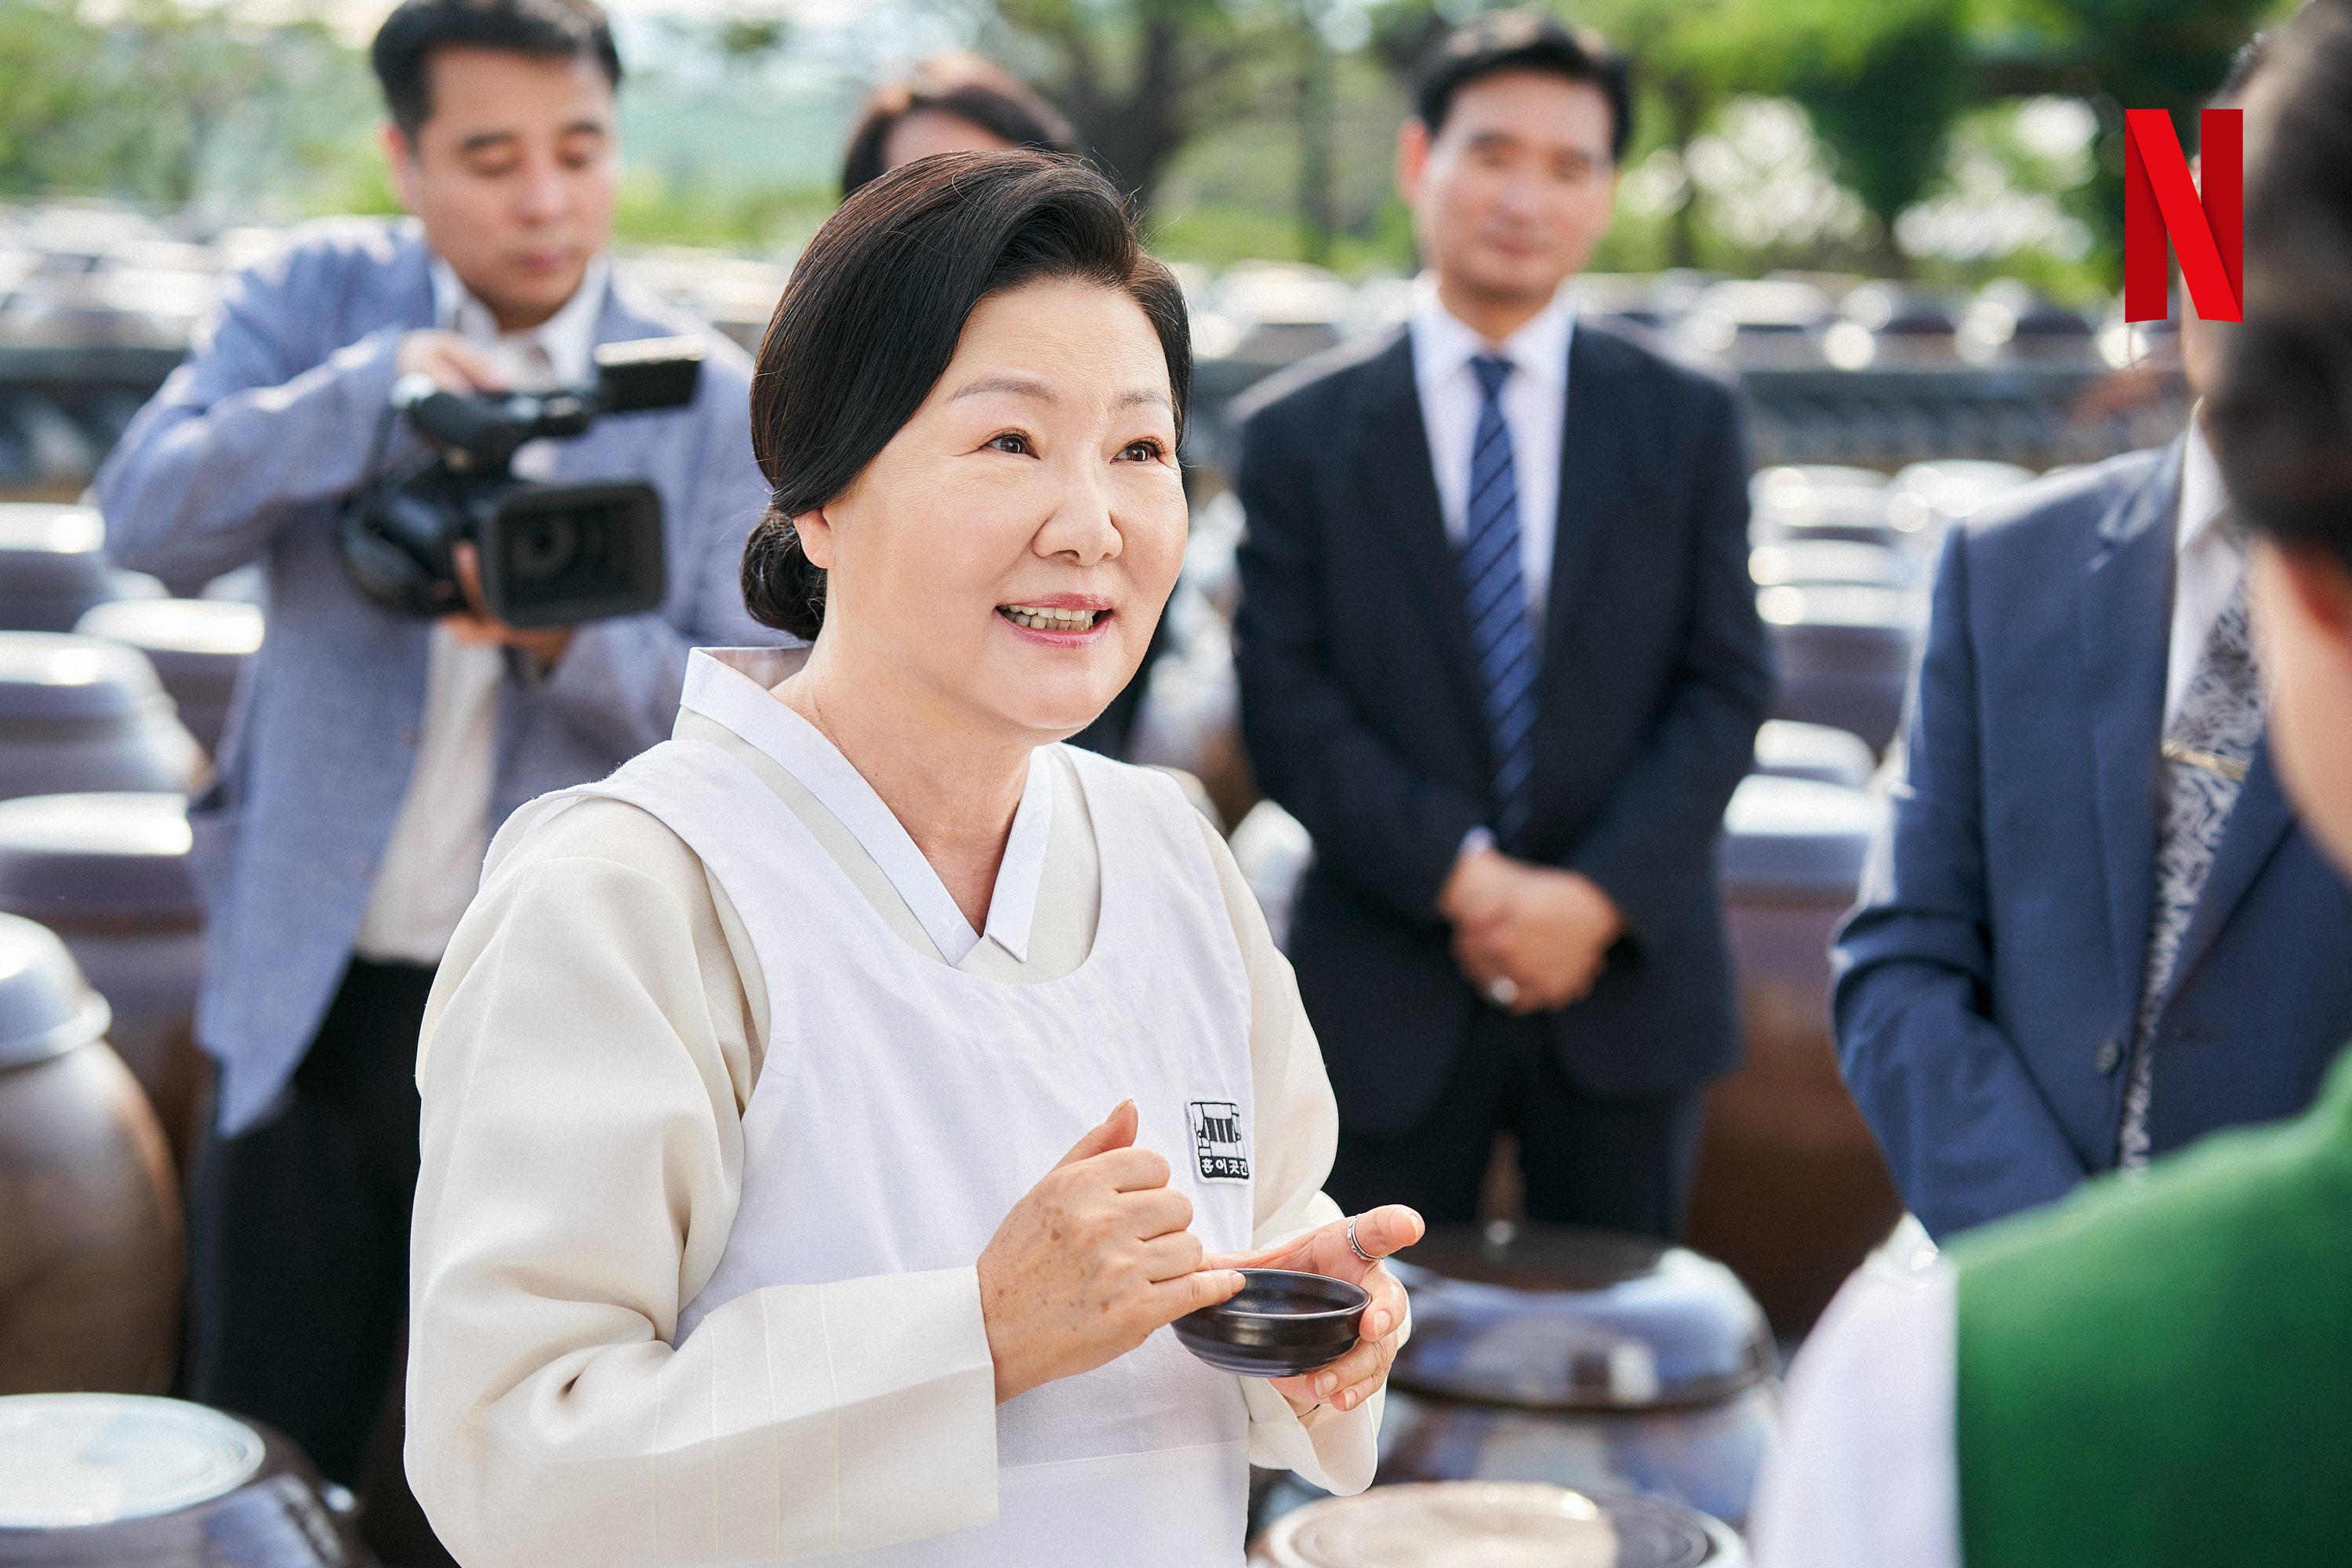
(1282, 1323)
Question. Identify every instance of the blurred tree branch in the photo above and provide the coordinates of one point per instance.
(1139, 77)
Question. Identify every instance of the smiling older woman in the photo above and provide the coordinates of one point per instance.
(824, 1115)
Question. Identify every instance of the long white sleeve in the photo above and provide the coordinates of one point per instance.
(1865, 1474)
(582, 1155)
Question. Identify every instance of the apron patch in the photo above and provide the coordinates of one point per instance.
(1218, 1147)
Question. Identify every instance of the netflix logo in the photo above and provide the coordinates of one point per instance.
(2206, 229)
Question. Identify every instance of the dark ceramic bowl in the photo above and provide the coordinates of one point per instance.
(1281, 1324)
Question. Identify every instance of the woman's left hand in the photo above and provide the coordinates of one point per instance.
(1355, 1377)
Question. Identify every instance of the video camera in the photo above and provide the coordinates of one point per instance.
(552, 555)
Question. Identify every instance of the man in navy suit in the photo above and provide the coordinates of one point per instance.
(1499, 653)
(2093, 930)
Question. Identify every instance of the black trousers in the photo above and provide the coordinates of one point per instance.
(1622, 1164)
(299, 1232)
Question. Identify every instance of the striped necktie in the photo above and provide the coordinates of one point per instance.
(1502, 635)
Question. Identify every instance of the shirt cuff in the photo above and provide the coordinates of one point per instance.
(834, 1417)
(917, 1456)
(1335, 1449)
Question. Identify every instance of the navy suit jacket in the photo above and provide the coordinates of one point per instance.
(1361, 707)
(1986, 984)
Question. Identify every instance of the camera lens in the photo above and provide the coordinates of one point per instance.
(558, 554)
(547, 544)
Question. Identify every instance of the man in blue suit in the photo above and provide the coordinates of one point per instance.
(372, 753)
(2093, 930)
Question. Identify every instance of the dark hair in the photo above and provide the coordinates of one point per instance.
(2281, 409)
(874, 310)
(1524, 40)
(965, 87)
(542, 29)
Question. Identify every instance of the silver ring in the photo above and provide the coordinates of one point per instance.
(1355, 1246)
(1502, 991)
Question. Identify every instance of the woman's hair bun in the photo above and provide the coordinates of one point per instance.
(780, 588)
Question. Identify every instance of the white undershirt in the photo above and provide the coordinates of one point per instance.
(2207, 564)
(434, 858)
(1535, 408)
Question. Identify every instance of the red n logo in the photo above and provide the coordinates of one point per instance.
(2161, 199)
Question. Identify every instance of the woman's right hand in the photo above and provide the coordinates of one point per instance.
(1090, 1261)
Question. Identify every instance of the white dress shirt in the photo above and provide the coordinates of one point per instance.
(433, 856)
(1535, 406)
(594, 1034)
(2206, 568)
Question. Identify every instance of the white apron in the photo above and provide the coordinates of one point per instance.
(905, 1106)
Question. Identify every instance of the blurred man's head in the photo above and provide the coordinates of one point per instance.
(1510, 161)
(950, 103)
(2199, 345)
(2280, 408)
(504, 142)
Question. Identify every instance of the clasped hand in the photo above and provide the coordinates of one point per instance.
(1546, 930)
(1101, 1252)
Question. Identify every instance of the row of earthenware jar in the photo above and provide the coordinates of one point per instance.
(112, 695)
(112, 698)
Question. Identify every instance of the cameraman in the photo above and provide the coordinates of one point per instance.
(371, 752)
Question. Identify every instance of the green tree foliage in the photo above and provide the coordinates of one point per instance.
(1885, 96)
(165, 104)
(2119, 55)
(1884, 81)
(45, 58)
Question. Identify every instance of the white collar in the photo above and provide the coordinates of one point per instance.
(726, 686)
(1443, 344)
(569, 336)
(2203, 495)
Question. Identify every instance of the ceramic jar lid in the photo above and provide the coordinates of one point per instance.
(51, 549)
(74, 1460)
(113, 856)
(46, 1008)
(1497, 1525)
(209, 628)
(1549, 1318)
(1797, 836)
(1789, 747)
(50, 676)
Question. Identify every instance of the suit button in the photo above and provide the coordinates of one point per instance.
(2109, 1055)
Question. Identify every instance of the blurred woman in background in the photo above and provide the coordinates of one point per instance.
(950, 103)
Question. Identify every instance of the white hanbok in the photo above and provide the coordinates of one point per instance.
(903, 1107)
